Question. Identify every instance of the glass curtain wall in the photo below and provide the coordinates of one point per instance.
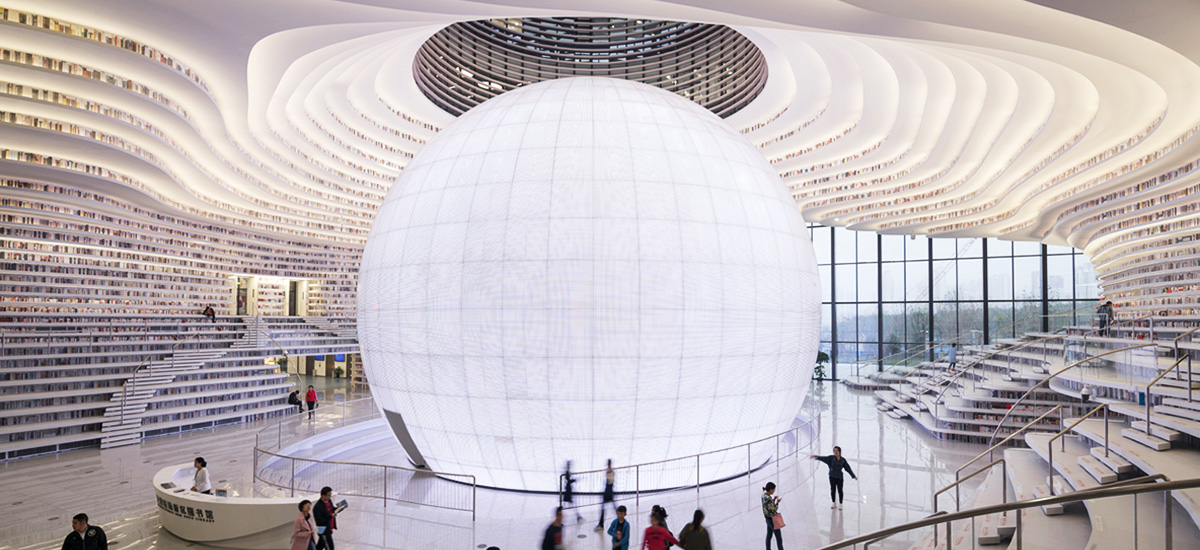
(889, 296)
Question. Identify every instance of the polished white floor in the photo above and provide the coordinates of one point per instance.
(899, 468)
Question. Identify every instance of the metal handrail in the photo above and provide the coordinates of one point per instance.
(988, 452)
(989, 356)
(814, 418)
(921, 349)
(1059, 435)
(957, 505)
(1178, 362)
(1094, 331)
(1165, 487)
(1055, 375)
(278, 426)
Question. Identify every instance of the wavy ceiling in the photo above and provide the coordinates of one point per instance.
(259, 125)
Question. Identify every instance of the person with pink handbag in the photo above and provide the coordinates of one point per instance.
(770, 504)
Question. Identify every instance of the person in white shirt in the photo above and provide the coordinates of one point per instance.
(201, 484)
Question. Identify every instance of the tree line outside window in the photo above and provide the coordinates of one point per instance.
(885, 296)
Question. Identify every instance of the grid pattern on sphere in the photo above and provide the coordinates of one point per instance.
(587, 269)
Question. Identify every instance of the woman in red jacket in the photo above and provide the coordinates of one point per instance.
(656, 536)
(311, 399)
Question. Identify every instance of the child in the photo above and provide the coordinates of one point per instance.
(619, 531)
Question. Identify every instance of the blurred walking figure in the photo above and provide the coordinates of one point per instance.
(836, 464)
(609, 497)
(657, 537)
(661, 513)
(952, 356)
(619, 530)
(1105, 315)
(694, 536)
(553, 538)
(568, 495)
(770, 506)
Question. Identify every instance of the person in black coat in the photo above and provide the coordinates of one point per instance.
(324, 515)
(836, 464)
(84, 536)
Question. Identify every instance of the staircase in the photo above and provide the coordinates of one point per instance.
(123, 417)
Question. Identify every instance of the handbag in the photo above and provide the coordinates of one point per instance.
(777, 521)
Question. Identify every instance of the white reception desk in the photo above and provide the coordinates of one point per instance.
(230, 521)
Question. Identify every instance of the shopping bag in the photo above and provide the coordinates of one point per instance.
(777, 521)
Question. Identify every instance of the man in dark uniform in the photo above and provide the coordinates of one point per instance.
(84, 536)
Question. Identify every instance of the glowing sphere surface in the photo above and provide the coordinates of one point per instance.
(585, 269)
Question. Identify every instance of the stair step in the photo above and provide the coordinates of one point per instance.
(1182, 403)
(1157, 431)
(897, 414)
(996, 528)
(1097, 469)
(1173, 383)
(1189, 414)
(1147, 440)
(1040, 491)
(1114, 461)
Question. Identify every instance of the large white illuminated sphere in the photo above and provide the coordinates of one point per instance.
(584, 269)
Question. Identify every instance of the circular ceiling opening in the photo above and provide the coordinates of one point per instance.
(471, 62)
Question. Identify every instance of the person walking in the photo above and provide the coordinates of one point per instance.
(304, 529)
(325, 514)
(661, 513)
(84, 536)
(552, 539)
(770, 508)
(952, 356)
(619, 530)
(836, 464)
(200, 483)
(311, 399)
(608, 497)
(657, 537)
(694, 536)
(568, 495)
(1105, 315)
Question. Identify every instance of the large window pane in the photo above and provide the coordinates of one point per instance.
(1027, 248)
(1028, 316)
(970, 248)
(945, 280)
(826, 322)
(917, 322)
(868, 246)
(1059, 271)
(970, 279)
(821, 245)
(868, 323)
(1027, 278)
(1000, 318)
(893, 328)
(826, 274)
(916, 249)
(1000, 280)
(1086, 285)
(893, 247)
(916, 282)
(945, 321)
(847, 288)
(868, 282)
(970, 318)
(944, 248)
(847, 323)
(998, 248)
(844, 245)
(893, 282)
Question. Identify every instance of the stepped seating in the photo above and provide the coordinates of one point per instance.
(88, 379)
